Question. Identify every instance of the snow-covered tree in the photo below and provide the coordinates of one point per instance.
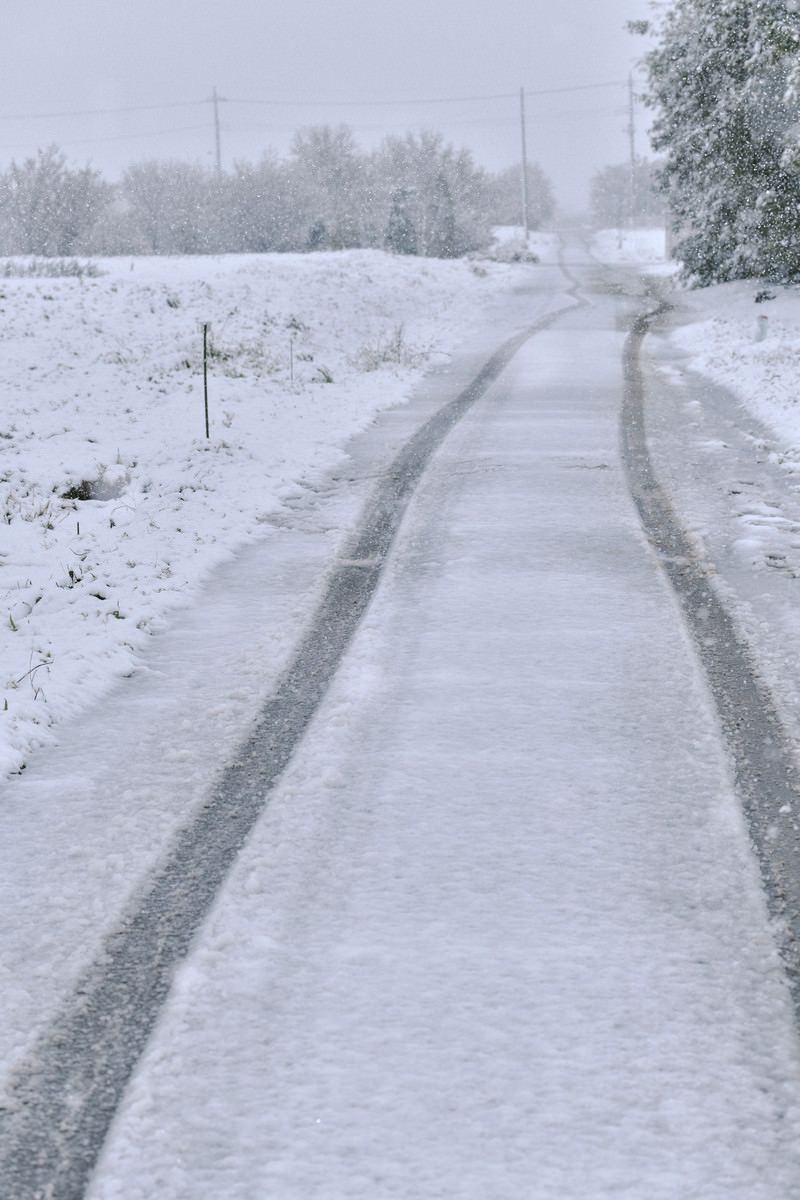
(435, 192)
(260, 208)
(723, 79)
(327, 177)
(172, 207)
(48, 208)
(415, 195)
(619, 195)
(401, 234)
(505, 197)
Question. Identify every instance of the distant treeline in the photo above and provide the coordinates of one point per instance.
(627, 194)
(413, 195)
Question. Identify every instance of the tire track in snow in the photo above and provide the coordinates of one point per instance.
(765, 769)
(56, 1115)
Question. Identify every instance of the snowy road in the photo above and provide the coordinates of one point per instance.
(499, 931)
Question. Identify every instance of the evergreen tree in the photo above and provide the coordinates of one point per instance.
(401, 235)
(723, 81)
(440, 220)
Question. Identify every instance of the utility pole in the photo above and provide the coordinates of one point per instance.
(524, 164)
(215, 100)
(632, 137)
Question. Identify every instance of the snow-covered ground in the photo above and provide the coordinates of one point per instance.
(743, 335)
(108, 784)
(510, 245)
(502, 909)
(114, 505)
(723, 413)
(749, 345)
(633, 247)
(500, 931)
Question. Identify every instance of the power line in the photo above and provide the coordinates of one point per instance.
(507, 121)
(119, 137)
(273, 127)
(92, 112)
(581, 87)
(280, 128)
(99, 112)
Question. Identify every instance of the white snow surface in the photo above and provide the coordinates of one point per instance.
(633, 247)
(509, 242)
(102, 384)
(501, 915)
(725, 433)
(107, 784)
(751, 347)
(500, 931)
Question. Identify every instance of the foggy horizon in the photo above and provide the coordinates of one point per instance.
(110, 88)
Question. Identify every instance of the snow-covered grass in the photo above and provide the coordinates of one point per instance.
(749, 346)
(113, 503)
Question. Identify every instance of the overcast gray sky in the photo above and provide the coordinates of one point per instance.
(451, 65)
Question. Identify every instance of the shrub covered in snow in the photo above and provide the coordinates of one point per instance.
(724, 81)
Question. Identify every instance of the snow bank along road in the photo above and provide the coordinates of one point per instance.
(499, 930)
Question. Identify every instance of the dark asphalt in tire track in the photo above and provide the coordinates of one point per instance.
(64, 1097)
(766, 772)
